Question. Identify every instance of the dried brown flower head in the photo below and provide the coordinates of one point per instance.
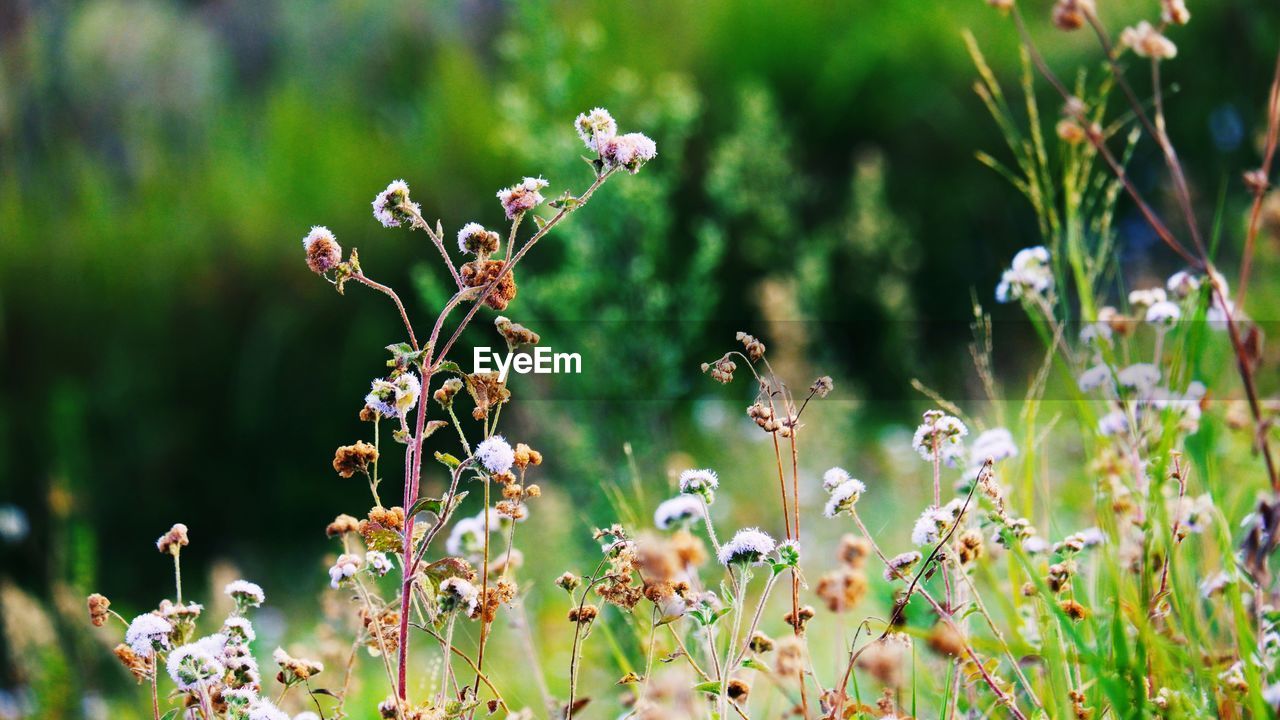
(1074, 610)
(479, 273)
(323, 251)
(342, 524)
(136, 664)
(761, 643)
(368, 414)
(499, 594)
(487, 391)
(1070, 132)
(526, 456)
(823, 386)
(789, 657)
(721, 370)
(842, 589)
(99, 609)
(447, 390)
(969, 546)
(351, 459)
(294, 669)
(689, 549)
(945, 640)
(800, 617)
(515, 334)
(583, 615)
(883, 659)
(754, 348)
(1070, 14)
(381, 518)
(854, 550)
(568, 581)
(738, 690)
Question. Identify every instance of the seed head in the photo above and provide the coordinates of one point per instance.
(522, 197)
(323, 251)
(473, 239)
(352, 459)
(595, 127)
(173, 541)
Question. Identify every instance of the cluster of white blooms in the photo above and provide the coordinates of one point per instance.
(396, 396)
(1095, 377)
(749, 546)
(1141, 377)
(389, 207)
(458, 594)
(930, 526)
(940, 433)
(245, 593)
(995, 444)
(197, 664)
(343, 569)
(466, 539)
(147, 634)
(378, 562)
(495, 454)
(900, 565)
(599, 132)
(700, 482)
(1183, 284)
(1028, 275)
(1148, 42)
(239, 629)
(842, 495)
(679, 511)
(522, 197)
(266, 710)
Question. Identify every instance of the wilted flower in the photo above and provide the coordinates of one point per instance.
(749, 545)
(495, 454)
(322, 249)
(1174, 12)
(1146, 41)
(98, 609)
(594, 127)
(1070, 14)
(843, 497)
(473, 239)
(681, 510)
(174, 540)
(458, 594)
(522, 197)
(391, 206)
(1027, 276)
(351, 459)
(629, 152)
(147, 634)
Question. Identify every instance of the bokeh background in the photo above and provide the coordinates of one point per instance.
(166, 356)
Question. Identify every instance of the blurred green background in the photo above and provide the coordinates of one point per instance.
(166, 356)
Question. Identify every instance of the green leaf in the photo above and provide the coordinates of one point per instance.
(446, 568)
(755, 664)
(383, 540)
(434, 505)
(448, 460)
(711, 686)
(449, 366)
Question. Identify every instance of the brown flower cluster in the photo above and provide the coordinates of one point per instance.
(351, 459)
(479, 273)
(500, 593)
(514, 333)
(174, 540)
(99, 609)
(843, 588)
(487, 391)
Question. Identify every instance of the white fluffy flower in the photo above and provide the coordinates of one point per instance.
(196, 664)
(522, 197)
(595, 126)
(394, 397)
(834, 478)
(629, 152)
(378, 562)
(900, 565)
(1094, 378)
(1029, 274)
(148, 633)
(1147, 297)
(1182, 284)
(388, 206)
(266, 710)
(1163, 313)
(996, 444)
(467, 535)
(931, 525)
(1148, 42)
(495, 454)
(344, 568)
(679, 510)
(1113, 423)
(245, 593)
(1095, 333)
(1140, 376)
(239, 630)
(458, 594)
(749, 545)
(698, 481)
(843, 497)
(946, 432)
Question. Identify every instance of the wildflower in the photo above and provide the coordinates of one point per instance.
(381, 518)
(480, 273)
(394, 396)
(239, 700)
(754, 348)
(940, 433)
(181, 611)
(266, 710)
(322, 248)
(629, 152)
(1094, 378)
(1029, 275)
(721, 370)
(594, 127)
(583, 615)
(1233, 678)
(994, 444)
(522, 197)
(680, 511)
(387, 709)
(568, 582)
(351, 459)
(496, 455)
(448, 389)
(700, 482)
(467, 535)
(459, 594)
(294, 669)
(1182, 284)
(1113, 423)
(1074, 610)
(1095, 333)
(842, 589)
(800, 617)
(883, 659)
(834, 478)
(1070, 15)
(930, 527)
(239, 630)
(98, 609)
(392, 206)
(341, 525)
(1193, 515)
(748, 546)
(526, 456)
(343, 568)
(823, 386)
(1163, 314)
(1035, 545)
(1215, 584)
(174, 540)
(844, 497)
(473, 239)
(1146, 41)
(147, 634)
(192, 666)
(379, 563)
(245, 593)
(1140, 376)
(1147, 297)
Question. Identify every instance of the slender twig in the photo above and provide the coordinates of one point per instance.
(1259, 188)
(363, 279)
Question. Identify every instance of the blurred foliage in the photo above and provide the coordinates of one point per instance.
(165, 355)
